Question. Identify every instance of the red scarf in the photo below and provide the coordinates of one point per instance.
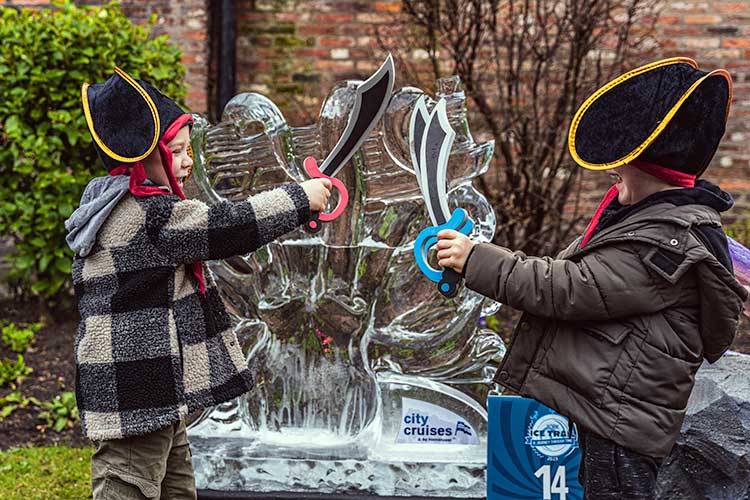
(667, 175)
(138, 177)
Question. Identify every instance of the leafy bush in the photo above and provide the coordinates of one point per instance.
(46, 155)
(12, 373)
(11, 402)
(61, 412)
(19, 338)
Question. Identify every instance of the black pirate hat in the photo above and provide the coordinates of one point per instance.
(667, 113)
(128, 117)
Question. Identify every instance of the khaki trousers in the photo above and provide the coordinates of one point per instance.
(149, 467)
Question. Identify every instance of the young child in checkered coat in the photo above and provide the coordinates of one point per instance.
(155, 342)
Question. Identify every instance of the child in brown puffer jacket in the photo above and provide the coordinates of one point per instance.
(616, 326)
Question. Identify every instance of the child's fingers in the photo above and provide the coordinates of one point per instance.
(444, 262)
(442, 244)
(448, 234)
(444, 254)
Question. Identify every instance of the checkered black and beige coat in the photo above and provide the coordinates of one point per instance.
(150, 346)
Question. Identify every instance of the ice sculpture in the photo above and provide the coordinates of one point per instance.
(352, 347)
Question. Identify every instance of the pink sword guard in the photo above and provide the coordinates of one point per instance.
(311, 167)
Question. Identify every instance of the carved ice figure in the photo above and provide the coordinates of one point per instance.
(339, 326)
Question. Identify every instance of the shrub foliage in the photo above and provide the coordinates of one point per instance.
(46, 155)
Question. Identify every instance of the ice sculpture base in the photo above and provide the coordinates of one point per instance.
(224, 465)
(226, 458)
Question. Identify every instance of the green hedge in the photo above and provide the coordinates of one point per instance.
(46, 155)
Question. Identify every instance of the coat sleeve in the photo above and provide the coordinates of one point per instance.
(185, 231)
(599, 286)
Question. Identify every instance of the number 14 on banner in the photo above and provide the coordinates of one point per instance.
(556, 486)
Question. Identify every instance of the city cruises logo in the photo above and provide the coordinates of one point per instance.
(423, 422)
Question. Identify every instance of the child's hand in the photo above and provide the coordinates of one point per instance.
(318, 191)
(453, 249)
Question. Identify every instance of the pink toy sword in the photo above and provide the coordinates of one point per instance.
(370, 102)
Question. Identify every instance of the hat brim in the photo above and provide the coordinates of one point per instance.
(622, 119)
(111, 124)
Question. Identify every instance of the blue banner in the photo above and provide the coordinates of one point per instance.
(532, 453)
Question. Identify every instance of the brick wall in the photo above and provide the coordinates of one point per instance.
(293, 51)
(186, 22)
(717, 34)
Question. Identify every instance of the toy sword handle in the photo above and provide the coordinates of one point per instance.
(447, 279)
(448, 286)
(317, 218)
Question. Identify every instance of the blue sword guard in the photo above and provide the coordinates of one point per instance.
(447, 279)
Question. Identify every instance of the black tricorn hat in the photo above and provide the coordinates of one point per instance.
(126, 117)
(668, 113)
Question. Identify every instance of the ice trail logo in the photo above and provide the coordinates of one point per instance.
(423, 422)
(550, 435)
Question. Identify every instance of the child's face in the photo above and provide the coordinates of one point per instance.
(634, 184)
(181, 160)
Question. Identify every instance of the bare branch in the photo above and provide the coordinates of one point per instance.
(525, 65)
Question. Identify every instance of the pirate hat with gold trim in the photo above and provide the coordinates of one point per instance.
(667, 113)
(127, 118)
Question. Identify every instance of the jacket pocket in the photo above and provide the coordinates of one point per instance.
(614, 333)
(586, 357)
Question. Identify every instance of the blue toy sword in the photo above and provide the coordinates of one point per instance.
(430, 141)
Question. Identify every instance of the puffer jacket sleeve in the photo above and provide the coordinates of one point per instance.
(599, 286)
(185, 231)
